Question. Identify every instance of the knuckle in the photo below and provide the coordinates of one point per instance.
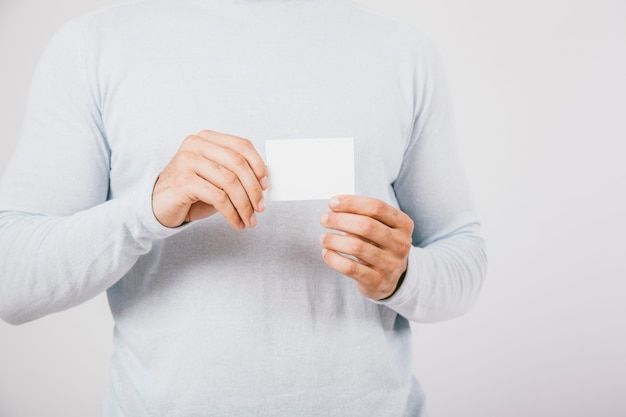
(192, 140)
(230, 178)
(406, 245)
(220, 197)
(184, 157)
(409, 223)
(358, 247)
(184, 161)
(365, 226)
(351, 267)
(239, 161)
(403, 241)
(246, 143)
(378, 208)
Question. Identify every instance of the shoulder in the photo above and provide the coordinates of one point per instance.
(389, 38)
(118, 18)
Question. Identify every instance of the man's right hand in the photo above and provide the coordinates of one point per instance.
(211, 172)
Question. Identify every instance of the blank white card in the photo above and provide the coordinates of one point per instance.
(310, 169)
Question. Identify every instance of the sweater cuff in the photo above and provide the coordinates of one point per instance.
(149, 226)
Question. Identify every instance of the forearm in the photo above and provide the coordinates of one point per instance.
(443, 279)
(51, 263)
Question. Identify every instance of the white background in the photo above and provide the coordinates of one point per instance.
(540, 96)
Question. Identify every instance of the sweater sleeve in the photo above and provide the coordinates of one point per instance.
(62, 241)
(447, 263)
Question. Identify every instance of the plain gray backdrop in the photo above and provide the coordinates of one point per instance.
(540, 97)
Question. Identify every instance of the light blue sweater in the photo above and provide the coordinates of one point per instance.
(210, 321)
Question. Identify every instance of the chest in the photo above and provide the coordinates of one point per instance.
(261, 88)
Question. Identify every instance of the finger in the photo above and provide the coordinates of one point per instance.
(244, 147)
(371, 207)
(230, 184)
(370, 282)
(234, 163)
(364, 251)
(348, 267)
(355, 224)
(201, 190)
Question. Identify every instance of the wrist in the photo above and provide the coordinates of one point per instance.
(398, 284)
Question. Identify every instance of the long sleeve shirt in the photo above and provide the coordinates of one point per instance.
(209, 320)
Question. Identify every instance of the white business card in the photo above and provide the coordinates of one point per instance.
(309, 169)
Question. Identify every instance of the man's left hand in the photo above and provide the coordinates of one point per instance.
(377, 238)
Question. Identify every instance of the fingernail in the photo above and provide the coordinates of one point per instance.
(324, 218)
(333, 203)
(324, 252)
(253, 220)
(322, 238)
(241, 226)
(265, 183)
(261, 205)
